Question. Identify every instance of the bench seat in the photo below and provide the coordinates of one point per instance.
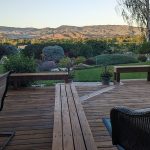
(71, 129)
(16, 78)
(127, 69)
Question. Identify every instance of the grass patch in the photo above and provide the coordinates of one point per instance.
(93, 74)
(46, 82)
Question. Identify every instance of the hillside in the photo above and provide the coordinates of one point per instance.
(68, 32)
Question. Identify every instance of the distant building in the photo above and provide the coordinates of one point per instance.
(22, 46)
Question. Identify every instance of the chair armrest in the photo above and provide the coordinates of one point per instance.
(131, 128)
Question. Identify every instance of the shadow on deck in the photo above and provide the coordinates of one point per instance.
(30, 111)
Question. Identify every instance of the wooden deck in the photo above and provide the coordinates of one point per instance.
(134, 94)
(31, 111)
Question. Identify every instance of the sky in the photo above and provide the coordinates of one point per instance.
(54, 13)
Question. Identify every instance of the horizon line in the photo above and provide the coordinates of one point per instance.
(69, 26)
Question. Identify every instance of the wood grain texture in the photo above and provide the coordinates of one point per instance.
(76, 134)
(30, 112)
(133, 94)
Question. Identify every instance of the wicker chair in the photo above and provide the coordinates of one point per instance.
(3, 91)
(131, 128)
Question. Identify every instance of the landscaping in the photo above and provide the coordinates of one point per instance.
(83, 60)
(93, 74)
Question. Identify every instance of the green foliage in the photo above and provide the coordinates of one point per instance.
(74, 48)
(144, 48)
(46, 66)
(98, 46)
(90, 61)
(93, 74)
(20, 63)
(136, 11)
(1, 69)
(106, 72)
(6, 50)
(105, 76)
(142, 58)
(112, 59)
(65, 62)
(85, 50)
(80, 59)
(34, 50)
(53, 53)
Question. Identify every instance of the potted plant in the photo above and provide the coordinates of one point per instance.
(106, 76)
(68, 64)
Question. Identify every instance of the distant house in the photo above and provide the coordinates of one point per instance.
(22, 46)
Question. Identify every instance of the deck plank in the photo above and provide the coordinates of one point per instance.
(30, 112)
(76, 129)
(133, 94)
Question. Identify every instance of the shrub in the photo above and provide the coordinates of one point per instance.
(142, 58)
(3, 59)
(144, 48)
(20, 63)
(112, 59)
(80, 59)
(46, 66)
(2, 51)
(34, 50)
(6, 50)
(98, 46)
(85, 50)
(53, 53)
(65, 62)
(90, 61)
(10, 50)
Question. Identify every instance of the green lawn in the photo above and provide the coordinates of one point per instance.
(92, 75)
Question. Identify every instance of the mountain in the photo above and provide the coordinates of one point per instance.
(69, 32)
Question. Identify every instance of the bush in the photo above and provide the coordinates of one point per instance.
(6, 50)
(80, 59)
(20, 63)
(53, 53)
(34, 50)
(90, 62)
(142, 58)
(112, 59)
(46, 66)
(85, 50)
(144, 48)
(65, 62)
(10, 50)
(98, 46)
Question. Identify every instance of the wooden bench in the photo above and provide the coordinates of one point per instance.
(16, 78)
(126, 69)
(71, 129)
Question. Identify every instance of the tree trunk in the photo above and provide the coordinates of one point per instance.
(148, 20)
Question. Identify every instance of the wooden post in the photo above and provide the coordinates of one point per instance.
(148, 76)
(118, 77)
(114, 76)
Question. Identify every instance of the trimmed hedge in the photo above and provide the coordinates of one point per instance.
(113, 59)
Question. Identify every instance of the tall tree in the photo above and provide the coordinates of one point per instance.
(137, 11)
